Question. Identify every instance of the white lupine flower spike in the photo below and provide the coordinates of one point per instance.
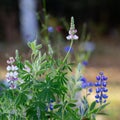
(12, 74)
(72, 32)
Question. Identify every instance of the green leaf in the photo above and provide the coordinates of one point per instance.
(28, 64)
(92, 105)
(97, 110)
(102, 113)
(32, 45)
(43, 57)
(39, 46)
(57, 106)
(43, 64)
(71, 105)
(41, 72)
(20, 99)
(102, 107)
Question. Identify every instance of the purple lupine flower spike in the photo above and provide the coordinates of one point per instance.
(101, 89)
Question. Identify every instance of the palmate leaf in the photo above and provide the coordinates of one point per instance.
(45, 90)
(24, 75)
(71, 113)
(32, 110)
(21, 99)
(48, 90)
(3, 116)
(47, 94)
(9, 94)
(60, 78)
(66, 111)
(33, 45)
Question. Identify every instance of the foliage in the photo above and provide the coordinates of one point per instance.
(43, 89)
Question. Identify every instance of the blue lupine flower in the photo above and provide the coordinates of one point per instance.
(101, 88)
(50, 29)
(104, 84)
(67, 48)
(97, 96)
(104, 96)
(97, 101)
(98, 78)
(97, 84)
(85, 84)
(105, 89)
(98, 90)
(51, 106)
(83, 79)
(84, 63)
(90, 90)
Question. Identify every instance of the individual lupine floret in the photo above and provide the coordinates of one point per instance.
(101, 89)
(84, 62)
(50, 105)
(11, 60)
(12, 74)
(67, 48)
(72, 32)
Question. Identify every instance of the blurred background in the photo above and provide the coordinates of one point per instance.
(25, 20)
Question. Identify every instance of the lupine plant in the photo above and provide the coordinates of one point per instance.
(43, 88)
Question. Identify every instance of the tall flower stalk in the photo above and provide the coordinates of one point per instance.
(72, 36)
(101, 89)
(12, 74)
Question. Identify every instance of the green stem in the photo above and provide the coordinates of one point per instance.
(63, 110)
(45, 13)
(51, 116)
(44, 7)
(62, 114)
(68, 51)
(66, 55)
